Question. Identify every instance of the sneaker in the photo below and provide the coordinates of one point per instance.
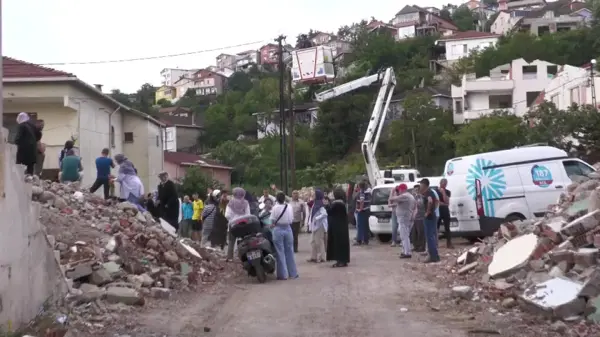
(393, 244)
(405, 256)
(430, 260)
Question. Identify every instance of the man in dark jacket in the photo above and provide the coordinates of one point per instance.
(168, 200)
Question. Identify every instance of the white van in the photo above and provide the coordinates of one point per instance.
(491, 188)
(380, 220)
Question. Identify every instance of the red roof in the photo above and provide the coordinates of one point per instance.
(13, 68)
(180, 158)
(471, 34)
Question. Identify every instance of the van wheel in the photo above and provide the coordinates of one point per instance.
(384, 238)
(514, 217)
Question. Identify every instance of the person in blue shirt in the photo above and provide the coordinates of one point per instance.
(103, 165)
(363, 201)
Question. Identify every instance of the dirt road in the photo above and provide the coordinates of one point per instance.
(378, 295)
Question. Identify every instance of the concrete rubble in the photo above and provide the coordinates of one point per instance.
(548, 267)
(113, 256)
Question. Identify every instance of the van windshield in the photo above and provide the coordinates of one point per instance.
(380, 196)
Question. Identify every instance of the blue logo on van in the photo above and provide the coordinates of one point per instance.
(493, 183)
(541, 176)
(450, 169)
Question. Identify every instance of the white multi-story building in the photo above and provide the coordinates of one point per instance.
(511, 87)
(171, 75)
(572, 85)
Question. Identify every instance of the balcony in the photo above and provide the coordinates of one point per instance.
(489, 84)
(476, 114)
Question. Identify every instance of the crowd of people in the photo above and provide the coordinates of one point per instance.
(417, 213)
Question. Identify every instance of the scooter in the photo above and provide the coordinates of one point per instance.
(255, 247)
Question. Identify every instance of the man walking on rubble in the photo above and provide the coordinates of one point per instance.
(103, 165)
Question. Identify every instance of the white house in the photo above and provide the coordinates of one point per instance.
(75, 110)
(512, 87)
(572, 85)
(170, 75)
(268, 124)
(462, 44)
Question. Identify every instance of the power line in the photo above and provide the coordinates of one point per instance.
(147, 58)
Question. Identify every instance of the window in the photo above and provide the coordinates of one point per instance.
(555, 100)
(576, 168)
(552, 71)
(465, 49)
(128, 137)
(531, 96)
(575, 95)
(458, 107)
(529, 72)
(112, 136)
(170, 136)
(398, 177)
(380, 196)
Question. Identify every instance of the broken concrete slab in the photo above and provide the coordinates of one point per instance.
(168, 228)
(100, 277)
(124, 295)
(558, 297)
(468, 256)
(586, 257)
(158, 292)
(513, 255)
(81, 270)
(582, 224)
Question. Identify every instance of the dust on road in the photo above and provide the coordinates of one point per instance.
(378, 295)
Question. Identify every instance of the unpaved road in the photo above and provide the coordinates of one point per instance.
(365, 299)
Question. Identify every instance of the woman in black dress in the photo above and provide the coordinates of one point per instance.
(338, 236)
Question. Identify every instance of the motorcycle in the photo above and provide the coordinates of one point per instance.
(255, 247)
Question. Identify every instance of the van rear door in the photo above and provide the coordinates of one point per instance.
(543, 182)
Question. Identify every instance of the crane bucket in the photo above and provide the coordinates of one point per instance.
(313, 65)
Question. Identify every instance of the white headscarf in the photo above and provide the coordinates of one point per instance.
(22, 117)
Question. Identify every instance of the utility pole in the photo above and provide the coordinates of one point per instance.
(292, 116)
(593, 84)
(414, 146)
(282, 124)
(2, 135)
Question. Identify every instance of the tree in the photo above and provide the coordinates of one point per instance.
(464, 18)
(239, 81)
(417, 138)
(547, 124)
(120, 97)
(196, 181)
(498, 131)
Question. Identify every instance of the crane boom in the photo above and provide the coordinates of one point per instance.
(382, 104)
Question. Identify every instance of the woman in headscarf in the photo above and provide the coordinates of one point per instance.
(318, 228)
(254, 206)
(238, 206)
(168, 200)
(132, 188)
(26, 142)
(338, 236)
(209, 214)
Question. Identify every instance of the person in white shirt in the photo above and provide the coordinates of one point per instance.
(318, 228)
(265, 196)
(282, 217)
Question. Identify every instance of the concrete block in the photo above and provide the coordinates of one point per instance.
(124, 295)
(100, 277)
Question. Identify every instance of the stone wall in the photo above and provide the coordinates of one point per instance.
(29, 272)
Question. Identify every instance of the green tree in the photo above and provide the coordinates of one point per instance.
(417, 138)
(196, 181)
(464, 18)
(239, 81)
(498, 131)
(547, 124)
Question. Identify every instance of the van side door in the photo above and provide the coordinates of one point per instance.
(543, 182)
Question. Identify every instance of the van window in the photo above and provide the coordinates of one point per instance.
(576, 168)
(380, 196)
(399, 177)
(411, 177)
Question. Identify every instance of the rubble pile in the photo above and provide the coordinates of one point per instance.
(549, 267)
(114, 255)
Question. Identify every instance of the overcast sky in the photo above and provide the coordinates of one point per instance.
(63, 31)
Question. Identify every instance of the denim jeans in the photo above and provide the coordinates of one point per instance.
(431, 238)
(363, 234)
(283, 238)
(394, 227)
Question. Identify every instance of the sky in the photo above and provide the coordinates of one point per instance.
(72, 31)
